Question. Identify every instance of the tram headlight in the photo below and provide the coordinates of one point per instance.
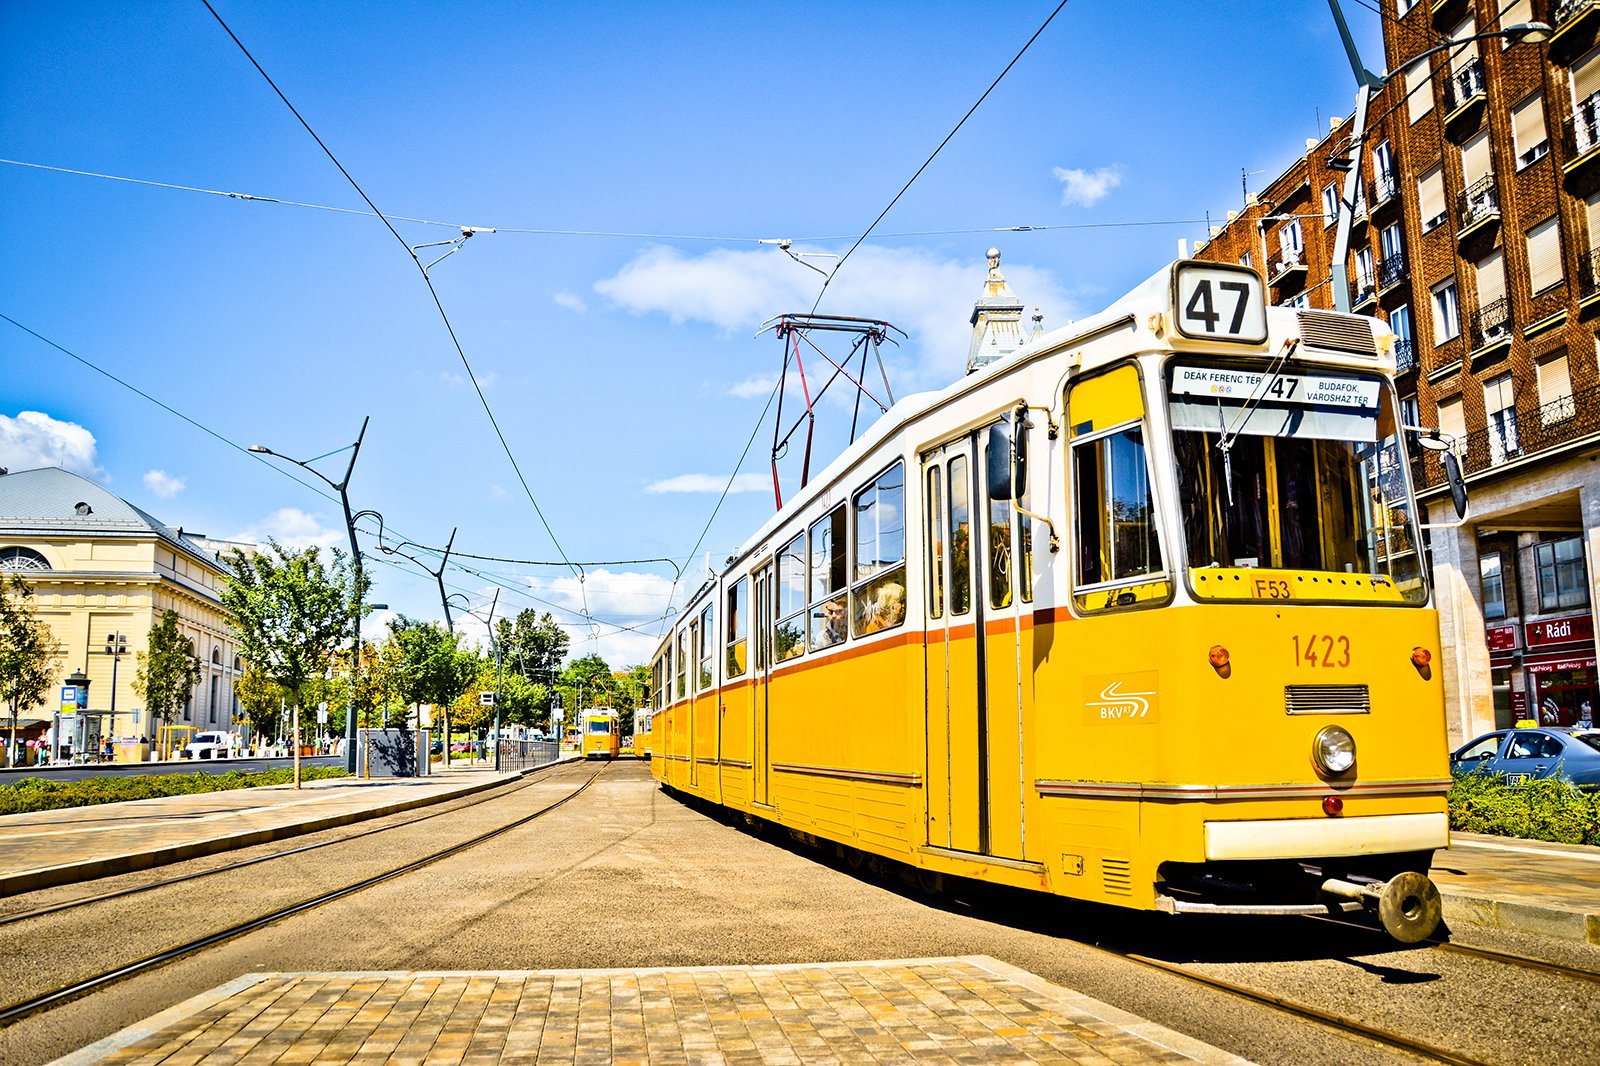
(1334, 750)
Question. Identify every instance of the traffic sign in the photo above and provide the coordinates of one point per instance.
(486, 699)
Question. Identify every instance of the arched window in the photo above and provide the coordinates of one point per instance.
(238, 664)
(216, 656)
(22, 559)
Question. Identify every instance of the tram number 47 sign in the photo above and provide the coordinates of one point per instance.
(1220, 302)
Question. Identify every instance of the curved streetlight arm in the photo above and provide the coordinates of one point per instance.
(1367, 85)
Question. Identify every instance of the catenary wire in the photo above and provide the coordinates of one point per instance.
(926, 162)
(449, 327)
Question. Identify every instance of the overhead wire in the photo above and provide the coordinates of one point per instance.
(627, 234)
(437, 302)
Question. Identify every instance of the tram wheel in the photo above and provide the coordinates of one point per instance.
(930, 882)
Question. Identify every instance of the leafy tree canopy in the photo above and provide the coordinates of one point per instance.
(28, 650)
(168, 669)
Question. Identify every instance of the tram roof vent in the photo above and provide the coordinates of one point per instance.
(1338, 333)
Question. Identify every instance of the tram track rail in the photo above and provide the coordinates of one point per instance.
(451, 806)
(22, 1009)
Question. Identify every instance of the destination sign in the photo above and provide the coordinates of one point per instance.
(1297, 390)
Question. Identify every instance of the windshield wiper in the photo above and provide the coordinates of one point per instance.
(1228, 437)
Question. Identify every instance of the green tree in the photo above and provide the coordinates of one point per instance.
(168, 669)
(290, 610)
(532, 645)
(434, 668)
(261, 700)
(585, 682)
(28, 655)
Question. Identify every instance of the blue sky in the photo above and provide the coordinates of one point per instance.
(624, 371)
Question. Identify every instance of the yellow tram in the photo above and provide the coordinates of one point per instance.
(600, 737)
(1134, 615)
(641, 732)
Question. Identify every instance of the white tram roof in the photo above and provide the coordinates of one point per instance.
(1140, 321)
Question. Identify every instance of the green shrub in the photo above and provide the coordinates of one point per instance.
(1542, 809)
(43, 794)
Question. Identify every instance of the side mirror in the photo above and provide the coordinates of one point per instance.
(999, 462)
(1458, 487)
(1008, 458)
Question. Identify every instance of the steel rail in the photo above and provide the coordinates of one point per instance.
(83, 901)
(17, 1011)
(1491, 954)
(1309, 1013)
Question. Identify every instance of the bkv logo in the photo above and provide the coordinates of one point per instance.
(1124, 699)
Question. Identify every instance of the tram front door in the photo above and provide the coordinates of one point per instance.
(975, 772)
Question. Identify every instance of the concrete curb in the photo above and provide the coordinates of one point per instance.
(1513, 916)
(89, 870)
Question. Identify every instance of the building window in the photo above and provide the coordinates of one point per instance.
(22, 559)
(1475, 162)
(1529, 139)
(1586, 102)
(1410, 412)
(1555, 389)
(1290, 242)
(1330, 204)
(1299, 299)
(211, 705)
(1544, 255)
(1453, 426)
(1499, 405)
(1419, 89)
(1561, 579)
(1430, 199)
(1446, 312)
(1492, 320)
(1383, 169)
(1494, 589)
(1244, 260)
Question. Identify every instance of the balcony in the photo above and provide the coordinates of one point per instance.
(1589, 279)
(1362, 291)
(1491, 330)
(1583, 135)
(1288, 271)
(1537, 429)
(1405, 356)
(1391, 272)
(1385, 190)
(1575, 23)
(1480, 208)
(1464, 97)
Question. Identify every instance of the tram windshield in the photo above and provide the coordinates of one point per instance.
(1294, 471)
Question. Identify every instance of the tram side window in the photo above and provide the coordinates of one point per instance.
(708, 642)
(737, 599)
(878, 592)
(935, 505)
(789, 633)
(960, 537)
(828, 579)
(683, 662)
(1119, 559)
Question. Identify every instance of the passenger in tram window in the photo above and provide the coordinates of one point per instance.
(881, 606)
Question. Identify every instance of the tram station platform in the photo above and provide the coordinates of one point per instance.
(46, 848)
(950, 1010)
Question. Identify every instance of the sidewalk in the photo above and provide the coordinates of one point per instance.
(951, 1010)
(1522, 886)
(47, 848)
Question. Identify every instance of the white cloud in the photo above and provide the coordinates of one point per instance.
(34, 439)
(711, 483)
(571, 301)
(293, 528)
(609, 595)
(486, 380)
(928, 296)
(1085, 188)
(752, 388)
(163, 484)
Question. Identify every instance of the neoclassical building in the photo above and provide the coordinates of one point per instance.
(103, 572)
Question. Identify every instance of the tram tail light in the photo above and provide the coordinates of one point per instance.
(1422, 659)
(1332, 805)
(1220, 661)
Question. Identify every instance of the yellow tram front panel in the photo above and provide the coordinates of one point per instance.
(1143, 742)
(600, 739)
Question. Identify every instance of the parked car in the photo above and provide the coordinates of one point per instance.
(206, 746)
(1524, 754)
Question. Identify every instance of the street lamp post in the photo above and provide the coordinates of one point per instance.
(1368, 85)
(116, 647)
(341, 487)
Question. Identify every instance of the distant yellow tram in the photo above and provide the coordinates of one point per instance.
(600, 738)
(641, 732)
(1135, 614)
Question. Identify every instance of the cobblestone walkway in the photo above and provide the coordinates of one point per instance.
(958, 1010)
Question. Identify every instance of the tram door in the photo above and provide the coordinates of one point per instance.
(761, 621)
(974, 778)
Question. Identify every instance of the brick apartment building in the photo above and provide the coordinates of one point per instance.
(1476, 236)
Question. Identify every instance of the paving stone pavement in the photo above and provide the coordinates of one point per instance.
(972, 1009)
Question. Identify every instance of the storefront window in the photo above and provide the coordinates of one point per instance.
(1561, 578)
(1494, 589)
